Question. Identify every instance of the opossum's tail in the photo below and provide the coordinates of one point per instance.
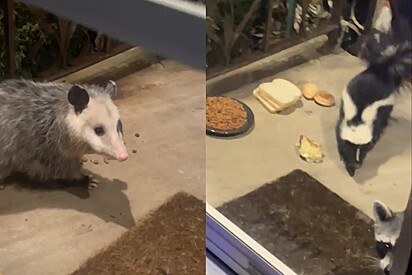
(388, 56)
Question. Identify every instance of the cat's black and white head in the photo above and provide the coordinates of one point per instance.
(387, 229)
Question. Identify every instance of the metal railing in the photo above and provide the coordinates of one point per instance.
(59, 33)
(154, 25)
(224, 33)
(226, 39)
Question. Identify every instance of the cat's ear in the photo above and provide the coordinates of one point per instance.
(381, 212)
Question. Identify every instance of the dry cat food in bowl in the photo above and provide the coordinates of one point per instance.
(224, 114)
(227, 116)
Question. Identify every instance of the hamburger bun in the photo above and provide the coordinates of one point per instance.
(309, 90)
(324, 99)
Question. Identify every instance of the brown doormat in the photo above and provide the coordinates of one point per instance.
(309, 228)
(171, 240)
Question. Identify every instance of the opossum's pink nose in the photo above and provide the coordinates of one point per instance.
(122, 156)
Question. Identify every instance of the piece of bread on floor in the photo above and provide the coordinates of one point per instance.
(310, 150)
(281, 92)
(324, 99)
(270, 106)
(309, 90)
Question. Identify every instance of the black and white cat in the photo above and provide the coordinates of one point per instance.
(387, 228)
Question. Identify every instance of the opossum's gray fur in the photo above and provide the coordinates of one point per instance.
(35, 139)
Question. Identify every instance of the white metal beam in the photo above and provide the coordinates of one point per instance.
(174, 29)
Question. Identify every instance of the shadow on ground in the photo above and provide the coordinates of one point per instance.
(107, 202)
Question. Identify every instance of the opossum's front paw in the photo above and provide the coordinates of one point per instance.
(84, 181)
(92, 184)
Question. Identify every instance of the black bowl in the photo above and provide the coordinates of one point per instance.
(250, 120)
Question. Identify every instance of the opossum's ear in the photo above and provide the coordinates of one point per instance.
(111, 88)
(120, 127)
(78, 97)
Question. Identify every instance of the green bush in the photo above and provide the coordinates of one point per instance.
(224, 16)
(26, 33)
(37, 50)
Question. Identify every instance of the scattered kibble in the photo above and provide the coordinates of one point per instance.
(134, 151)
(96, 162)
(84, 159)
(105, 160)
(137, 135)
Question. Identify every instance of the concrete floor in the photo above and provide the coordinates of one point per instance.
(238, 166)
(54, 232)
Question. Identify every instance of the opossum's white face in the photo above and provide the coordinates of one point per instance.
(96, 121)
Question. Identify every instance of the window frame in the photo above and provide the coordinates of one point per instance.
(237, 249)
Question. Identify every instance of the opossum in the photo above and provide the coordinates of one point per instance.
(368, 99)
(47, 127)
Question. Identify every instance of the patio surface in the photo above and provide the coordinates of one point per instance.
(237, 166)
(54, 232)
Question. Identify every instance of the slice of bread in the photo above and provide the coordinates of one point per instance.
(269, 105)
(281, 92)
